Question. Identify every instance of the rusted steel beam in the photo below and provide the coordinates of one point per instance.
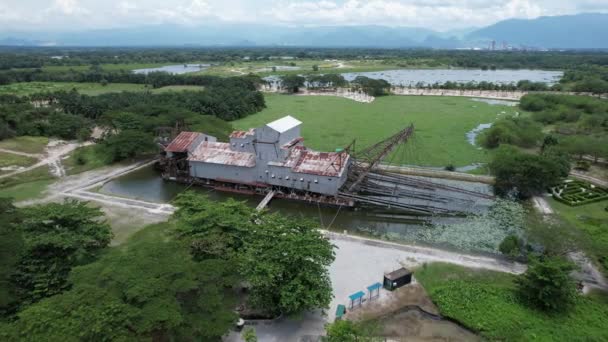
(369, 158)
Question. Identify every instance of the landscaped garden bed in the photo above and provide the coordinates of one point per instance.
(575, 192)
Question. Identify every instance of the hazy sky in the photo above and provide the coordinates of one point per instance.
(435, 14)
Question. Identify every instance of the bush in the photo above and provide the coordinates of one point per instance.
(511, 246)
(547, 284)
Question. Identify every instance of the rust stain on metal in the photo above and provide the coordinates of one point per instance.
(221, 153)
(182, 142)
(242, 134)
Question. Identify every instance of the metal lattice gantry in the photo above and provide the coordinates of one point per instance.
(369, 158)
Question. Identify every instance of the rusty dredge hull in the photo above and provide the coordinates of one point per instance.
(272, 161)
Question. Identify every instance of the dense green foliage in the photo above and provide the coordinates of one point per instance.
(149, 289)
(580, 123)
(27, 57)
(11, 245)
(283, 260)
(517, 131)
(525, 175)
(56, 238)
(292, 83)
(511, 246)
(372, 87)
(488, 302)
(547, 284)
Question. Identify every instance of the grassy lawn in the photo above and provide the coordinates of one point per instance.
(486, 302)
(108, 67)
(9, 159)
(26, 88)
(441, 124)
(592, 221)
(25, 144)
(26, 185)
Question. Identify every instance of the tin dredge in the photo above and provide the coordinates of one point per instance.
(272, 161)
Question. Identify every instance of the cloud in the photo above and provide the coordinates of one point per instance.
(433, 14)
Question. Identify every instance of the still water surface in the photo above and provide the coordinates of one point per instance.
(174, 69)
(146, 184)
(410, 77)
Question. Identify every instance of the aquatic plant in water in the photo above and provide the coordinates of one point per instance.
(479, 232)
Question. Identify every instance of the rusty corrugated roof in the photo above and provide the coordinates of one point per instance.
(242, 134)
(302, 160)
(221, 153)
(330, 164)
(182, 142)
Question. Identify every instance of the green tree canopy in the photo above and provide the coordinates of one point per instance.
(547, 284)
(283, 260)
(522, 174)
(11, 246)
(56, 238)
(150, 290)
(286, 261)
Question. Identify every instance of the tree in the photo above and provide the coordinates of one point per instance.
(523, 175)
(285, 261)
(11, 246)
(292, 83)
(213, 230)
(56, 238)
(127, 144)
(547, 284)
(315, 68)
(372, 86)
(151, 289)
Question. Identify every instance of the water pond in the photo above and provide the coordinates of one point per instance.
(174, 69)
(411, 77)
(146, 184)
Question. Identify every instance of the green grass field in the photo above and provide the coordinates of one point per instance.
(9, 159)
(25, 144)
(486, 302)
(441, 124)
(108, 67)
(26, 185)
(27, 88)
(592, 221)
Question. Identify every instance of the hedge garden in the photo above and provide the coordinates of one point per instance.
(575, 193)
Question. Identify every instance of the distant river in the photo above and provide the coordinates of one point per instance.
(406, 77)
(174, 69)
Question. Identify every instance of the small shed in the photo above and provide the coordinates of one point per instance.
(396, 279)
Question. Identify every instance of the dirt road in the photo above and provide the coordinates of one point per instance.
(54, 152)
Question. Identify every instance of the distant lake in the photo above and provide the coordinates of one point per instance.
(174, 69)
(411, 77)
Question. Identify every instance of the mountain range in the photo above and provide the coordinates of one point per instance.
(581, 31)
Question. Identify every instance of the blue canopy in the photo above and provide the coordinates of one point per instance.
(357, 295)
(374, 287)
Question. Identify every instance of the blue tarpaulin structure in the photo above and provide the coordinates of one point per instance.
(374, 290)
(356, 299)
